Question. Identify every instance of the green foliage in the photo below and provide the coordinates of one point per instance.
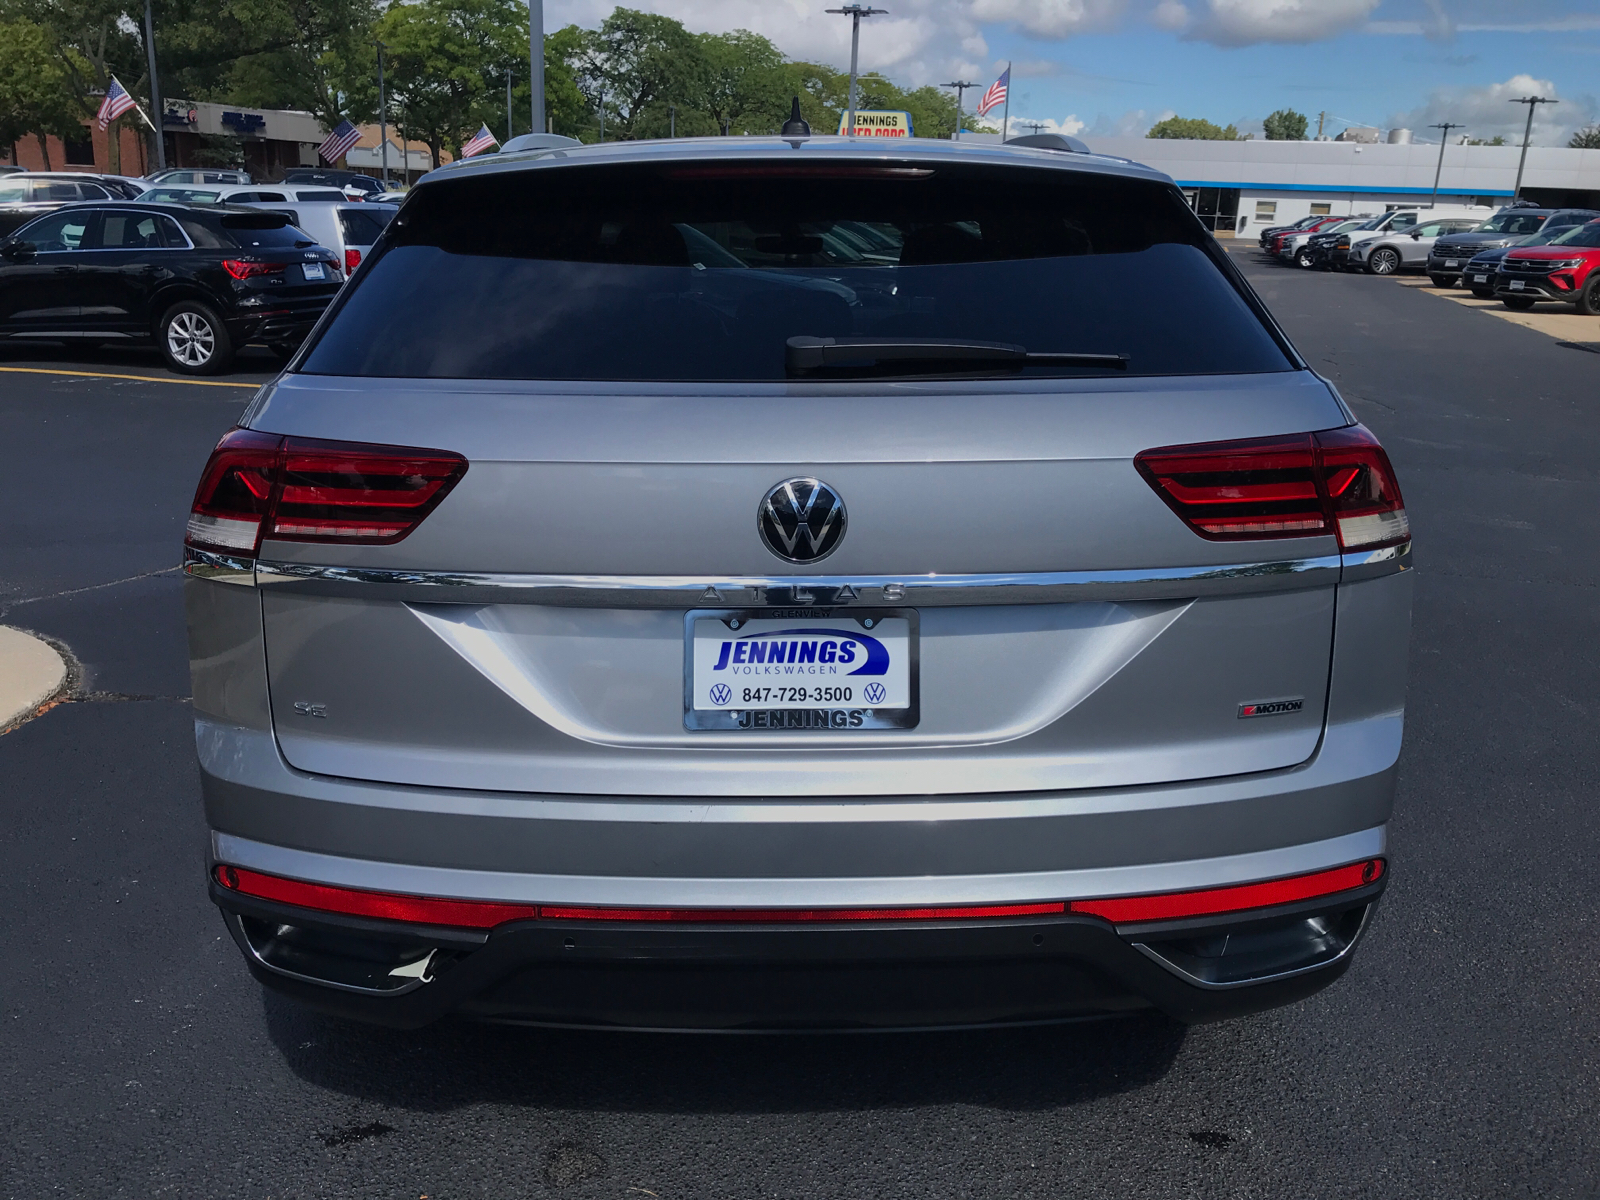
(1286, 125)
(1194, 128)
(39, 84)
(1584, 139)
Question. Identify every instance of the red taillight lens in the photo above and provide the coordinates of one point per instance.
(1175, 905)
(240, 269)
(1338, 481)
(260, 485)
(352, 260)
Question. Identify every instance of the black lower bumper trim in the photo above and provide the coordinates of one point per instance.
(905, 975)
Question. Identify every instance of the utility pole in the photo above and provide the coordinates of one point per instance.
(1533, 103)
(1444, 128)
(383, 117)
(156, 109)
(855, 12)
(1321, 117)
(1034, 125)
(508, 104)
(602, 114)
(961, 86)
(536, 61)
(672, 120)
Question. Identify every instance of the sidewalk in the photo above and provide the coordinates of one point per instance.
(31, 672)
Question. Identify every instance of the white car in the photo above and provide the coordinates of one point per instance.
(1401, 220)
(254, 193)
(348, 229)
(1397, 250)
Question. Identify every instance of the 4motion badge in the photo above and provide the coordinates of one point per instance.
(1272, 708)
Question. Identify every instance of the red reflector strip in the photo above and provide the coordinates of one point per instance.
(1174, 905)
(796, 916)
(386, 906)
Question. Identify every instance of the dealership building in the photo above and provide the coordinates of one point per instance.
(1243, 186)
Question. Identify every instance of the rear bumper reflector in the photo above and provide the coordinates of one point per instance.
(483, 914)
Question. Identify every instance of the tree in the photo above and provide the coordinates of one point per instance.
(1496, 140)
(445, 59)
(636, 65)
(1286, 125)
(1194, 128)
(38, 91)
(745, 83)
(1586, 139)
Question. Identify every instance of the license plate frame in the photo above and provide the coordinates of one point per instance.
(1480, 279)
(321, 271)
(1518, 285)
(1452, 262)
(846, 718)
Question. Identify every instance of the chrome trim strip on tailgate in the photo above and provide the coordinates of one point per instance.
(684, 591)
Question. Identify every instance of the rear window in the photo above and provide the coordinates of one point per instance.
(182, 195)
(250, 230)
(363, 228)
(313, 194)
(1513, 222)
(704, 272)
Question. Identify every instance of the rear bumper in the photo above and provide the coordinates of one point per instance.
(827, 977)
(289, 323)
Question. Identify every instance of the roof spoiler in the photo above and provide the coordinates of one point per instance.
(1050, 141)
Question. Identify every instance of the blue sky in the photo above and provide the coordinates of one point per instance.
(1116, 66)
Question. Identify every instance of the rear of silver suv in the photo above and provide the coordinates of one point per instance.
(797, 584)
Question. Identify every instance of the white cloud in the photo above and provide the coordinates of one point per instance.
(1568, 24)
(1071, 125)
(1051, 18)
(1484, 112)
(1248, 22)
(1170, 14)
(1133, 123)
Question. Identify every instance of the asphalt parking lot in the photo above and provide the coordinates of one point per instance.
(1458, 1058)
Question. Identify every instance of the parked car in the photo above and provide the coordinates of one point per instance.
(31, 194)
(353, 184)
(1276, 241)
(1321, 247)
(349, 230)
(1397, 221)
(180, 175)
(1391, 252)
(1450, 254)
(1479, 273)
(1564, 270)
(1266, 235)
(199, 282)
(11, 169)
(1296, 247)
(255, 193)
(475, 736)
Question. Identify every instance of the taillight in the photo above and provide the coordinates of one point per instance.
(241, 269)
(261, 485)
(1338, 481)
(352, 260)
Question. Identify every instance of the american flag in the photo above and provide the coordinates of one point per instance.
(343, 137)
(996, 95)
(480, 142)
(116, 103)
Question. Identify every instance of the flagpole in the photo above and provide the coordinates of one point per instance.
(1005, 117)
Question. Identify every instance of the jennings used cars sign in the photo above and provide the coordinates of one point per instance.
(878, 123)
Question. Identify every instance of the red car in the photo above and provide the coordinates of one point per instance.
(1566, 269)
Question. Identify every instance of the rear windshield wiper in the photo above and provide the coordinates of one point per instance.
(811, 355)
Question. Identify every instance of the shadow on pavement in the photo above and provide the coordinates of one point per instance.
(458, 1063)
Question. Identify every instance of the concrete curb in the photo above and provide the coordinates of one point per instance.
(31, 672)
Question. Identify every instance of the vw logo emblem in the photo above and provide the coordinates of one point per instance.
(875, 693)
(721, 694)
(801, 520)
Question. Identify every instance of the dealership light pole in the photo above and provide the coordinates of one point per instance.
(1533, 103)
(155, 89)
(508, 104)
(383, 115)
(536, 61)
(855, 12)
(1444, 128)
(961, 86)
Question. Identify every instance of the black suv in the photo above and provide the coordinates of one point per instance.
(1448, 258)
(199, 281)
(345, 181)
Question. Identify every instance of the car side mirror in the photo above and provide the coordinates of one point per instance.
(1416, 234)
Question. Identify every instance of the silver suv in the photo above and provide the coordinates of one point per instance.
(796, 583)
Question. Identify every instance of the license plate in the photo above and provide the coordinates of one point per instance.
(1452, 262)
(314, 271)
(1480, 279)
(755, 670)
(1516, 285)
